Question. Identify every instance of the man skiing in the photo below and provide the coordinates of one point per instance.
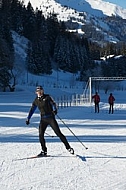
(111, 100)
(96, 98)
(48, 110)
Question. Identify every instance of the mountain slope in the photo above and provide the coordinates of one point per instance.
(107, 8)
(93, 7)
(98, 20)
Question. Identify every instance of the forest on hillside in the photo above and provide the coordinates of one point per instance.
(51, 46)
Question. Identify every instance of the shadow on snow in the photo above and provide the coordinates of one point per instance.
(23, 138)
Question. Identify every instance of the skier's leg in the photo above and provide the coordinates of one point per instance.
(55, 127)
(98, 107)
(95, 107)
(109, 108)
(42, 128)
(112, 109)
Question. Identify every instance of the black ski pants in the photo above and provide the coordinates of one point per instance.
(96, 107)
(111, 110)
(53, 123)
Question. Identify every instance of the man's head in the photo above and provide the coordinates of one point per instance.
(39, 90)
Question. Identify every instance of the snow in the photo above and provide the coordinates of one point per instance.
(20, 44)
(108, 8)
(93, 7)
(101, 167)
(81, 12)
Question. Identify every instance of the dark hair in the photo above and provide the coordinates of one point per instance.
(38, 88)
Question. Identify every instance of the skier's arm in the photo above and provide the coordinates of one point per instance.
(99, 98)
(32, 110)
(93, 97)
(53, 103)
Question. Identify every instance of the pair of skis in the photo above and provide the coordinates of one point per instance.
(46, 156)
(33, 157)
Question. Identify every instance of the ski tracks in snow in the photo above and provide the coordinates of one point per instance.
(97, 168)
(62, 171)
(42, 173)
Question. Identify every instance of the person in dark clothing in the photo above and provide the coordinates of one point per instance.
(48, 110)
(111, 100)
(96, 98)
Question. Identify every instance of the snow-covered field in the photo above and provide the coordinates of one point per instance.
(101, 167)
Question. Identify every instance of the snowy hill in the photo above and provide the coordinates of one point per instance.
(92, 7)
(65, 82)
(107, 8)
(85, 16)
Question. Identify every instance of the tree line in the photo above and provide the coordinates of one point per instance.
(50, 45)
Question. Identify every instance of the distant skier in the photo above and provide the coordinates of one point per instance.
(96, 98)
(48, 110)
(111, 100)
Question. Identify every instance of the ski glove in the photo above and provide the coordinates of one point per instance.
(27, 122)
(55, 112)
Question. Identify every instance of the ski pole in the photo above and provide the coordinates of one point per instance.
(73, 133)
(45, 132)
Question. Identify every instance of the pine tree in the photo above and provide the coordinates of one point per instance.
(53, 30)
(28, 22)
(6, 46)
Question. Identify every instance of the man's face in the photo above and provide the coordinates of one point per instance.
(40, 92)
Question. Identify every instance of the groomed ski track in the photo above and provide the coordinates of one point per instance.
(101, 167)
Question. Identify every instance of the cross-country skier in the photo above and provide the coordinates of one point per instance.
(111, 100)
(96, 98)
(48, 110)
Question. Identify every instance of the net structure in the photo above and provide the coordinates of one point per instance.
(87, 93)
